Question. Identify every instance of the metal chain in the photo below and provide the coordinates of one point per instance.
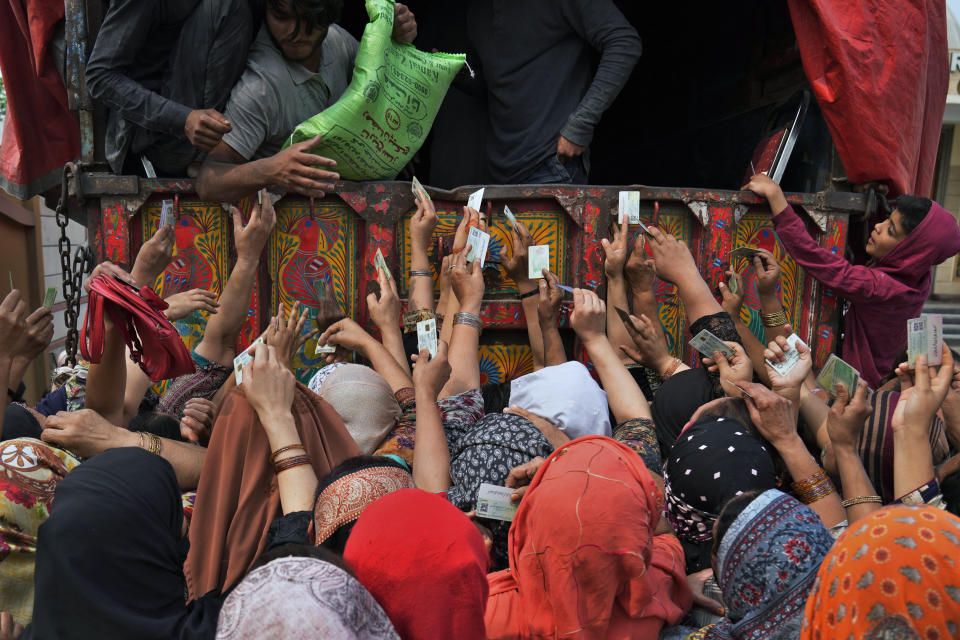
(71, 274)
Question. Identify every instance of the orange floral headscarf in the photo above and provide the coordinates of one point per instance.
(894, 574)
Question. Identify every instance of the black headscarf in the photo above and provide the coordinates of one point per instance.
(675, 403)
(110, 556)
(716, 459)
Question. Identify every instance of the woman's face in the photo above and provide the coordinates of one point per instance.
(886, 235)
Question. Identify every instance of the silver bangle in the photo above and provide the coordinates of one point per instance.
(421, 273)
(470, 319)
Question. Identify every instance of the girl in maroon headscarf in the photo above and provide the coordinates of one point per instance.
(883, 294)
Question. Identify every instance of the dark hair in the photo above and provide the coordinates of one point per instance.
(311, 14)
(950, 487)
(496, 396)
(292, 550)
(158, 423)
(338, 539)
(913, 209)
(730, 512)
(733, 408)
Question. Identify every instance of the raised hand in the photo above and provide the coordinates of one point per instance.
(731, 302)
(639, 266)
(13, 325)
(615, 251)
(466, 278)
(107, 268)
(423, 223)
(385, 310)
(771, 413)
(154, 256)
(550, 299)
(347, 334)
(268, 385)
(430, 374)
(919, 403)
(196, 425)
(651, 345)
(284, 333)
(516, 264)
(737, 367)
(775, 352)
(671, 258)
(764, 187)
(182, 304)
(589, 317)
(251, 239)
(37, 334)
(848, 415)
(767, 268)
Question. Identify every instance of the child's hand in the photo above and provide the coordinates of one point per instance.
(764, 187)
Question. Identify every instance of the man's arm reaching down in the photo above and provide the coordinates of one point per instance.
(226, 176)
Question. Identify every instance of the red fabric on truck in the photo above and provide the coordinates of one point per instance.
(39, 132)
(879, 70)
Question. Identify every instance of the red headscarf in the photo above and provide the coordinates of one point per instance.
(424, 562)
(584, 562)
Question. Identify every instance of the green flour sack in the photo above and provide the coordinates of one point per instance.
(385, 114)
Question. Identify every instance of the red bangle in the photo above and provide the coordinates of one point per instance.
(290, 463)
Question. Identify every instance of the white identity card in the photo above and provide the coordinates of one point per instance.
(538, 259)
(512, 218)
(924, 335)
(478, 241)
(427, 336)
(706, 343)
(166, 213)
(418, 191)
(792, 356)
(475, 199)
(245, 357)
(630, 207)
(380, 263)
(494, 502)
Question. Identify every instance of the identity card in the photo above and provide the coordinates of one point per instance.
(427, 336)
(494, 502)
(245, 357)
(475, 199)
(538, 259)
(792, 356)
(630, 207)
(478, 241)
(706, 343)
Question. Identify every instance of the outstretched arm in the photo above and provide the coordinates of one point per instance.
(220, 337)
(431, 456)
(588, 320)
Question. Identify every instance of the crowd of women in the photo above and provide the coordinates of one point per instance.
(733, 499)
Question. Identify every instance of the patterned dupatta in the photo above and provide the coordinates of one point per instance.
(768, 560)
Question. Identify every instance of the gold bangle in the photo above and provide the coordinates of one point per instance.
(816, 487)
(154, 446)
(154, 443)
(850, 502)
(777, 319)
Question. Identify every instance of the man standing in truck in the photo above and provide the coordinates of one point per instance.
(544, 100)
(164, 69)
(299, 64)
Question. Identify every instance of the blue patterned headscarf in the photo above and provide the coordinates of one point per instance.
(768, 560)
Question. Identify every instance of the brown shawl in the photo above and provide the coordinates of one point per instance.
(237, 497)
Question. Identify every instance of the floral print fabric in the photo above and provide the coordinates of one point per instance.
(767, 561)
(31, 472)
(892, 575)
